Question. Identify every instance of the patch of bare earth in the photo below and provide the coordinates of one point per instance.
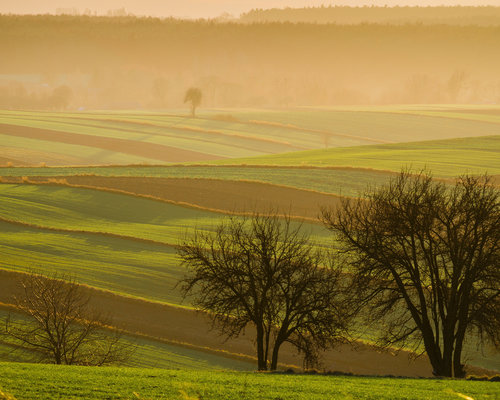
(142, 149)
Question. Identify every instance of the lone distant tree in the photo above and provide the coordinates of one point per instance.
(425, 257)
(58, 325)
(193, 96)
(263, 272)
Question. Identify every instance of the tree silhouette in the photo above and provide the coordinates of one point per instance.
(59, 326)
(424, 257)
(262, 271)
(194, 96)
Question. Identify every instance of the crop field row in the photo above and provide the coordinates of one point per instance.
(96, 211)
(212, 194)
(320, 170)
(131, 137)
(145, 353)
(445, 158)
(24, 381)
(56, 232)
(342, 181)
(128, 267)
(384, 123)
(200, 139)
(87, 210)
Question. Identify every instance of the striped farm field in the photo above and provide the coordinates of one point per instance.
(124, 266)
(111, 241)
(213, 194)
(104, 138)
(326, 171)
(390, 124)
(342, 181)
(445, 158)
(145, 353)
(123, 246)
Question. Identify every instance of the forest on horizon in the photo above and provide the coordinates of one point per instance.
(132, 62)
(450, 15)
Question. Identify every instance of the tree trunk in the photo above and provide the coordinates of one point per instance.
(266, 346)
(448, 344)
(261, 361)
(274, 360)
(458, 367)
(433, 352)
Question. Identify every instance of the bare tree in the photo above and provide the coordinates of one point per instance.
(58, 325)
(424, 257)
(262, 271)
(193, 96)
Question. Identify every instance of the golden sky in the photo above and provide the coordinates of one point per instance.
(202, 8)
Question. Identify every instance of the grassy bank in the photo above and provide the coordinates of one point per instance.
(56, 382)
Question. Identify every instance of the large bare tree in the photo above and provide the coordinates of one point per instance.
(57, 325)
(262, 271)
(424, 256)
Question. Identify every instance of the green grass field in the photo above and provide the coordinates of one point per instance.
(119, 263)
(25, 381)
(387, 123)
(445, 158)
(127, 267)
(236, 133)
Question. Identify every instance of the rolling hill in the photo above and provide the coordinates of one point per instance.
(90, 138)
(107, 240)
(114, 228)
(445, 158)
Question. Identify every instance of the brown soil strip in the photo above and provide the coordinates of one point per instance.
(210, 194)
(142, 149)
(186, 326)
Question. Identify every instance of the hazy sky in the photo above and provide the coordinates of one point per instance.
(202, 8)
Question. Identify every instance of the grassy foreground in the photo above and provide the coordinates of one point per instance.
(29, 381)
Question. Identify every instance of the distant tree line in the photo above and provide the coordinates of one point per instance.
(450, 15)
(417, 260)
(15, 95)
(129, 62)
